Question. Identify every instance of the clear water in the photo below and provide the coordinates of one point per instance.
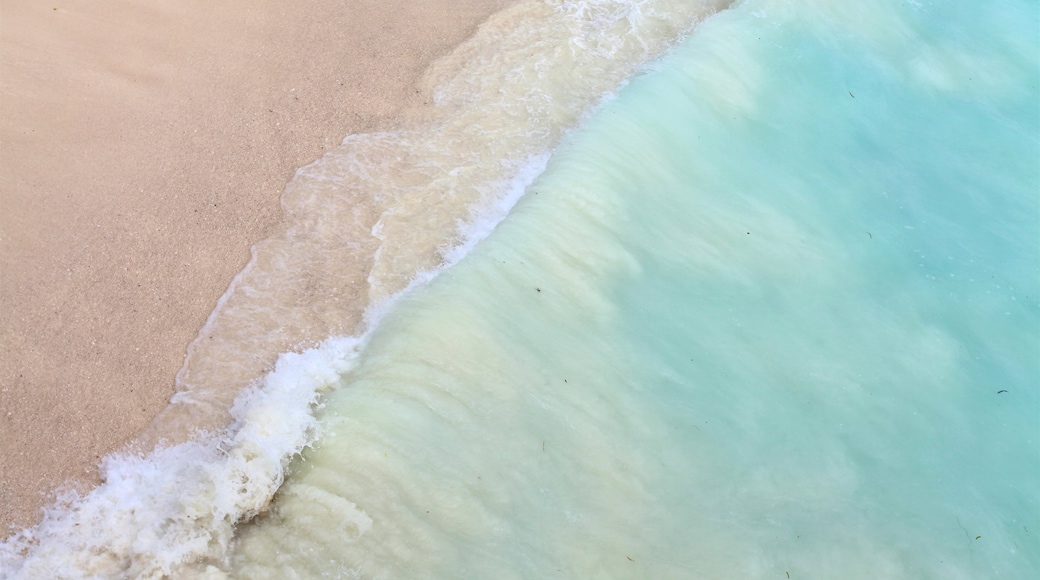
(754, 320)
(772, 312)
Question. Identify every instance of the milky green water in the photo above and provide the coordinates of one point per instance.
(771, 312)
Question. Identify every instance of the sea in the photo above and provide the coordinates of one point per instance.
(655, 289)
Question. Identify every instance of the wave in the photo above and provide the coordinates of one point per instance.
(371, 219)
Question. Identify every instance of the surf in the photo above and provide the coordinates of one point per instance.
(380, 214)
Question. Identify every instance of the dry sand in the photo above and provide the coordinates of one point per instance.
(143, 148)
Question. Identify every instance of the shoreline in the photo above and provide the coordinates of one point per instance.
(143, 151)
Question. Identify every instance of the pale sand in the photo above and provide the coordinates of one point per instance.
(143, 148)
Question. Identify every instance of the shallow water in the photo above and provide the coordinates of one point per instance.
(364, 220)
(773, 311)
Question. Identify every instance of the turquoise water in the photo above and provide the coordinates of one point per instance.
(772, 311)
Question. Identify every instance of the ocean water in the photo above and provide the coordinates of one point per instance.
(772, 311)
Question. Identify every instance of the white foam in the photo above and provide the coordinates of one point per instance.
(180, 504)
(485, 217)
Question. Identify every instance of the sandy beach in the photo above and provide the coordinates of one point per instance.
(143, 149)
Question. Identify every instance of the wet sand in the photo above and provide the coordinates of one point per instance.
(143, 149)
